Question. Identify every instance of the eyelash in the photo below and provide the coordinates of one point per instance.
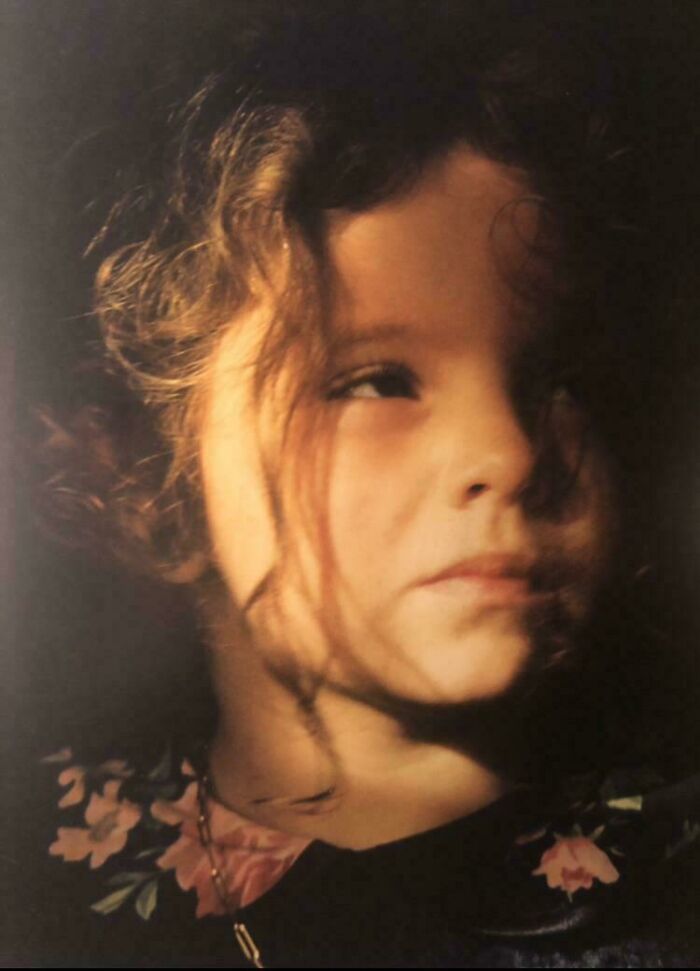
(405, 383)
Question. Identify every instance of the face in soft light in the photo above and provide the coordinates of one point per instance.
(437, 560)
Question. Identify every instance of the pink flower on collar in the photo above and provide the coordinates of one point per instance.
(74, 777)
(250, 858)
(109, 820)
(573, 863)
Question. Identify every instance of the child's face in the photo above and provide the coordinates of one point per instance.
(430, 542)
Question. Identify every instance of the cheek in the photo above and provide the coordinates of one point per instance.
(587, 537)
(240, 524)
(375, 483)
(603, 517)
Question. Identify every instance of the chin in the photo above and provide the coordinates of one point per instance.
(481, 666)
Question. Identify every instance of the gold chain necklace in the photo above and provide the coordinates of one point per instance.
(245, 941)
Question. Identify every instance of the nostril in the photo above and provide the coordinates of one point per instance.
(476, 489)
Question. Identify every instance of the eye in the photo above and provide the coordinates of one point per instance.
(545, 386)
(378, 381)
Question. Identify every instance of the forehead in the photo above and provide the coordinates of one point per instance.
(440, 253)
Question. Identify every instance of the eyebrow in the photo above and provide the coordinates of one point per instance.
(375, 332)
(381, 331)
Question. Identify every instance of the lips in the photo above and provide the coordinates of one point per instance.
(494, 577)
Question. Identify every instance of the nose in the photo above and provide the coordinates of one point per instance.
(492, 454)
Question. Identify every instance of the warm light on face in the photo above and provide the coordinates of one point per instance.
(432, 551)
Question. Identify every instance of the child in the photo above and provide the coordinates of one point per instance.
(364, 322)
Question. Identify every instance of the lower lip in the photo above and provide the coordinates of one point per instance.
(497, 591)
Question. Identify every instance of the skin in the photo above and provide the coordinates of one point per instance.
(425, 533)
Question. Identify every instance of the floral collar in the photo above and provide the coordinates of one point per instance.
(145, 825)
(140, 825)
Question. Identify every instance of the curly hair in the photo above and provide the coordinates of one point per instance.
(312, 112)
(261, 153)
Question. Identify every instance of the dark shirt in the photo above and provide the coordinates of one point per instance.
(602, 872)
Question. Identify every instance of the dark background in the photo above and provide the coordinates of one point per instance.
(89, 87)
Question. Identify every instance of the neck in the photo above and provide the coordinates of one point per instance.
(345, 772)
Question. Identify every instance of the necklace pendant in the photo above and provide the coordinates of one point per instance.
(247, 945)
